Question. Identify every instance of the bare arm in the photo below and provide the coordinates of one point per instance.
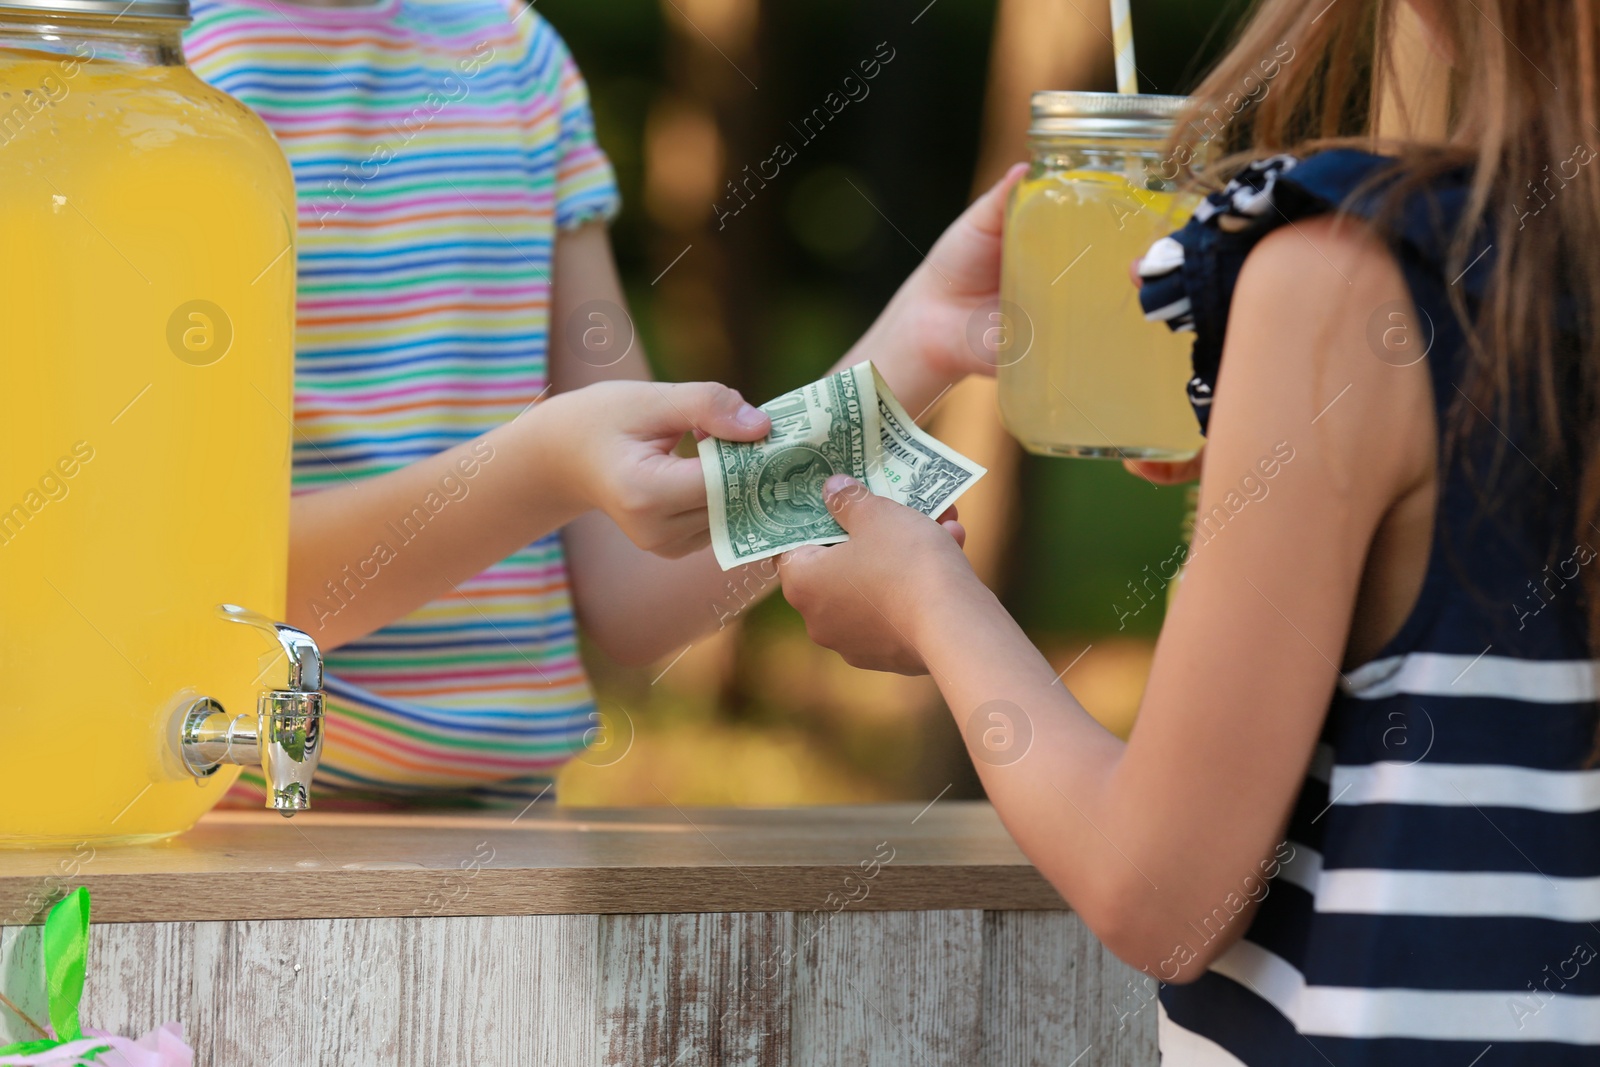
(368, 552)
(1146, 837)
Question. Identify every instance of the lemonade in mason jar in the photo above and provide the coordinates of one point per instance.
(1081, 371)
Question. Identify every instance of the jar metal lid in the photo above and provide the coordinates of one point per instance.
(118, 9)
(1130, 115)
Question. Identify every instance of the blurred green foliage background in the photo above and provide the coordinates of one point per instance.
(686, 93)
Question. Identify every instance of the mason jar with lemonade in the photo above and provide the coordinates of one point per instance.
(1081, 373)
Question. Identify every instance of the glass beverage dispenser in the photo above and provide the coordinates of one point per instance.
(146, 361)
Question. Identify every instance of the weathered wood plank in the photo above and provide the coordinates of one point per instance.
(563, 971)
(682, 989)
(22, 979)
(309, 992)
(501, 990)
(754, 956)
(889, 987)
(1052, 994)
(143, 976)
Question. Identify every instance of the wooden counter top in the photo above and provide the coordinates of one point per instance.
(244, 865)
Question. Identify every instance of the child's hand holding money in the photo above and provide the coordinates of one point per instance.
(864, 598)
(613, 445)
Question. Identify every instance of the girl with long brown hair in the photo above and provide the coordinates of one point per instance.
(1358, 818)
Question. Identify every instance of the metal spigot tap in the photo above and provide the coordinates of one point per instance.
(284, 733)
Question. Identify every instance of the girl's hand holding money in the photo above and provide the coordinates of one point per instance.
(864, 598)
(614, 444)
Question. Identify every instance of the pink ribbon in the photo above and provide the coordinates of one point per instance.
(161, 1047)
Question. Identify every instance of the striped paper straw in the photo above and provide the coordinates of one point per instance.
(1122, 41)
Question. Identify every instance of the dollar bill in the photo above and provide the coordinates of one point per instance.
(766, 497)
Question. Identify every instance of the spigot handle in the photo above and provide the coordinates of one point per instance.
(305, 659)
(285, 735)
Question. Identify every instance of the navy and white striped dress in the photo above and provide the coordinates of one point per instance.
(1442, 903)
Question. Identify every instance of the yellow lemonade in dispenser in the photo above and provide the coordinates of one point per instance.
(146, 311)
(1081, 371)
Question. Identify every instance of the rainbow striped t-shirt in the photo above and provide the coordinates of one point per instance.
(438, 146)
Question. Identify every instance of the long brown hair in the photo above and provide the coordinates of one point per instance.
(1520, 101)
